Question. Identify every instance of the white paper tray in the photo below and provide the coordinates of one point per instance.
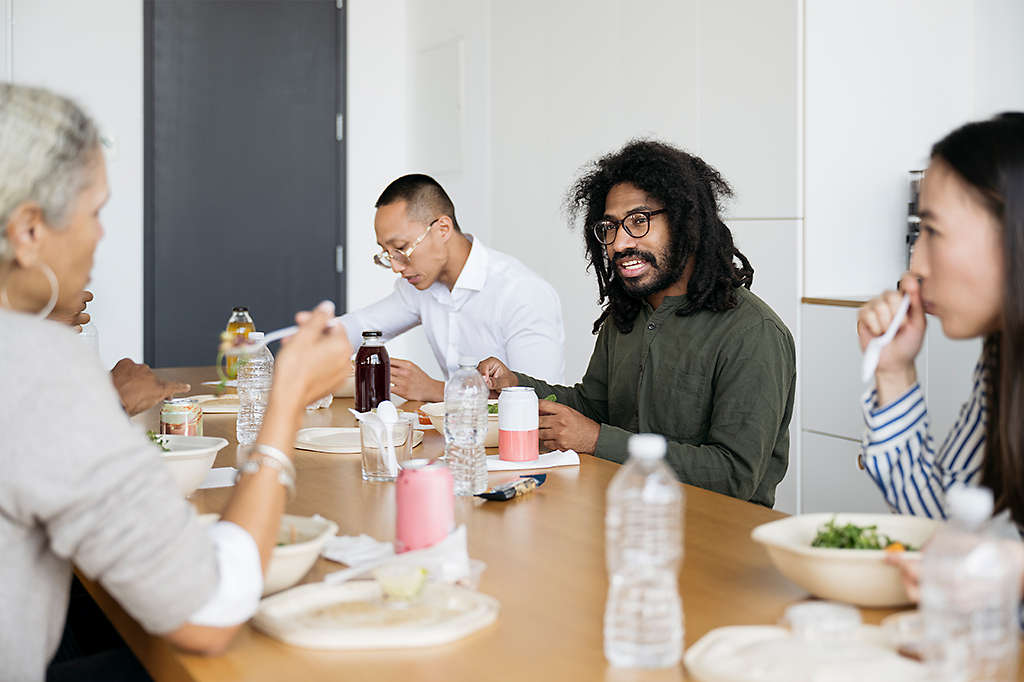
(353, 616)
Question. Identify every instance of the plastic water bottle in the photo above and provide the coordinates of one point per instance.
(465, 428)
(643, 618)
(970, 594)
(255, 376)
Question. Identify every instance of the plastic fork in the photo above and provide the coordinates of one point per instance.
(873, 352)
(269, 338)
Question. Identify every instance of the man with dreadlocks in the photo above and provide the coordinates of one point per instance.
(684, 349)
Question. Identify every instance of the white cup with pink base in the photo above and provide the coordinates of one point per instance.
(518, 424)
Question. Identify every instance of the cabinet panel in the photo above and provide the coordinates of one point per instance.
(950, 368)
(884, 80)
(830, 479)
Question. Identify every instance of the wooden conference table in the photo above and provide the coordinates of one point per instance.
(545, 564)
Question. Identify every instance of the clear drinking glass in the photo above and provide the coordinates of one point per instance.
(402, 434)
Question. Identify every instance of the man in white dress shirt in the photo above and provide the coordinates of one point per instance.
(471, 301)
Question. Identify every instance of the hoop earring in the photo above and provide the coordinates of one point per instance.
(51, 278)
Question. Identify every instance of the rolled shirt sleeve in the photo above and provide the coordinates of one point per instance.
(394, 314)
(899, 455)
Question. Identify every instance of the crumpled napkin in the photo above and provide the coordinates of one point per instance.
(557, 458)
(356, 549)
(448, 561)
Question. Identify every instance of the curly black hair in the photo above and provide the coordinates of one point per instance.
(690, 191)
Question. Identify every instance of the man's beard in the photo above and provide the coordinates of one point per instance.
(668, 268)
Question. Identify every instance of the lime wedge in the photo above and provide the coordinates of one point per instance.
(401, 582)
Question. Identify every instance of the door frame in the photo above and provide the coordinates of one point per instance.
(148, 222)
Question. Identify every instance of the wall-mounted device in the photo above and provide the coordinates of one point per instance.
(913, 219)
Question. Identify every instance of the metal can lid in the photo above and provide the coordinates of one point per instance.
(181, 401)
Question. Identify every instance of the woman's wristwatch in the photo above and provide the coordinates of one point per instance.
(252, 458)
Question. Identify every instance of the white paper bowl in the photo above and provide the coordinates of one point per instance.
(289, 563)
(855, 576)
(189, 459)
(347, 388)
(436, 413)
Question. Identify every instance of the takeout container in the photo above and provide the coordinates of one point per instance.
(290, 562)
(346, 389)
(436, 413)
(855, 576)
(189, 459)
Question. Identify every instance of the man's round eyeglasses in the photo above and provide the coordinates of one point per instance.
(402, 257)
(637, 224)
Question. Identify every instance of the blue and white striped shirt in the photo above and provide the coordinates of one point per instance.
(899, 455)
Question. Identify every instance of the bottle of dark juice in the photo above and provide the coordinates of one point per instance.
(373, 372)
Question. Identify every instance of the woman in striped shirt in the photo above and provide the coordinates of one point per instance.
(967, 269)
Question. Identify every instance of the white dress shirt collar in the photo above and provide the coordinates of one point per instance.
(473, 275)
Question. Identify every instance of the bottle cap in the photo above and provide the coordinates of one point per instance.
(372, 333)
(239, 309)
(647, 446)
(970, 506)
(467, 361)
(255, 336)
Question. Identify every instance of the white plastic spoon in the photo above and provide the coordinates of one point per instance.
(388, 414)
(382, 430)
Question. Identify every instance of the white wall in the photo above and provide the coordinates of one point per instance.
(566, 89)
(377, 148)
(92, 52)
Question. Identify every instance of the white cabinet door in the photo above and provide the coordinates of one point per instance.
(830, 479)
(830, 367)
(884, 80)
(830, 371)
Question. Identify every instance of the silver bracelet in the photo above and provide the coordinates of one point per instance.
(270, 456)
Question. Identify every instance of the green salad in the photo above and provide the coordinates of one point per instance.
(492, 408)
(850, 536)
(158, 440)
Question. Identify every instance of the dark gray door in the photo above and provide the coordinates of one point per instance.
(244, 167)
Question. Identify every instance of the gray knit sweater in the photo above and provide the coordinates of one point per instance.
(80, 484)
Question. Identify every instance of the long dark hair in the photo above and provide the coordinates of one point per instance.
(690, 191)
(989, 156)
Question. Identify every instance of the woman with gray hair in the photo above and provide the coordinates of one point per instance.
(80, 484)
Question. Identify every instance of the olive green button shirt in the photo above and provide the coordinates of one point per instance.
(718, 386)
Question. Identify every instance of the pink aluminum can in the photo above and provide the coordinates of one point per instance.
(424, 504)
(518, 423)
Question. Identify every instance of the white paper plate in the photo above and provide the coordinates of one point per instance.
(336, 439)
(772, 654)
(353, 616)
(211, 404)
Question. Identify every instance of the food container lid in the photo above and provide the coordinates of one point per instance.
(822, 620)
